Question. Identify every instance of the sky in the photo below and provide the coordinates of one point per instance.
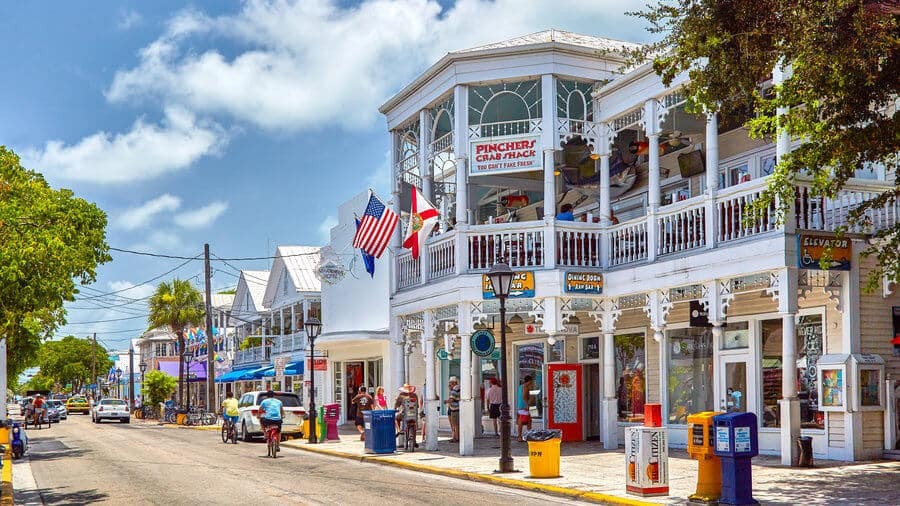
(239, 124)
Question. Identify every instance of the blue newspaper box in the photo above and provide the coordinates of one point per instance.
(736, 444)
(379, 431)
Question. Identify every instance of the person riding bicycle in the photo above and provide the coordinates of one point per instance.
(230, 409)
(273, 411)
(38, 407)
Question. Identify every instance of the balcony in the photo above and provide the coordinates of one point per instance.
(277, 345)
(680, 228)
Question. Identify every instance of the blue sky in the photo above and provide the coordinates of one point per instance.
(240, 124)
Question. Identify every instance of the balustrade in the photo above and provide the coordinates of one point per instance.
(521, 245)
(829, 214)
(409, 271)
(578, 245)
(681, 226)
(628, 242)
(441, 256)
(735, 217)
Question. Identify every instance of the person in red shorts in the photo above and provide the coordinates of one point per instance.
(523, 401)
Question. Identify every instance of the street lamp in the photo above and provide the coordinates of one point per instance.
(143, 367)
(313, 327)
(188, 358)
(501, 277)
(118, 382)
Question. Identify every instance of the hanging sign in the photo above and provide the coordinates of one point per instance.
(698, 317)
(501, 155)
(811, 248)
(483, 343)
(280, 363)
(569, 329)
(588, 283)
(319, 364)
(442, 354)
(522, 286)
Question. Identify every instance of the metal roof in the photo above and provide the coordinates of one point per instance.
(301, 262)
(560, 36)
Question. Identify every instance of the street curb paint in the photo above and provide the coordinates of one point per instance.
(6, 488)
(596, 497)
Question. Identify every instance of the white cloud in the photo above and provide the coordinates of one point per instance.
(130, 289)
(140, 216)
(201, 217)
(314, 63)
(128, 19)
(325, 227)
(163, 241)
(145, 152)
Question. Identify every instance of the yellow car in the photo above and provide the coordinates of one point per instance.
(77, 405)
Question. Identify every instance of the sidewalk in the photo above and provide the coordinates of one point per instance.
(6, 488)
(591, 473)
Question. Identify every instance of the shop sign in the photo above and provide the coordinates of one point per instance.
(569, 329)
(442, 354)
(501, 155)
(588, 283)
(522, 286)
(483, 343)
(495, 355)
(280, 363)
(699, 317)
(320, 364)
(811, 249)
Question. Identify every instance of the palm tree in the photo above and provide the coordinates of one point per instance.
(176, 305)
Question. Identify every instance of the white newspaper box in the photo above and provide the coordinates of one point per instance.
(646, 461)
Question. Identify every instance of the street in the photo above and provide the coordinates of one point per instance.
(77, 462)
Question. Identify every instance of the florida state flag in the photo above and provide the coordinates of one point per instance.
(422, 218)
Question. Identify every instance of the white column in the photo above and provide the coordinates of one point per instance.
(651, 128)
(549, 141)
(395, 197)
(604, 141)
(398, 357)
(610, 415)
(466, 405)
(783, 141)
(712, 176)
(431, 401)
(425, 168)
(461, 149)
(790, 404)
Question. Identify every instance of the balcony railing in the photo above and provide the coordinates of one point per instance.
(503, 128)
(274, 345)
(678, 228)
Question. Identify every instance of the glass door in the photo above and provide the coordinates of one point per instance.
(736, 389)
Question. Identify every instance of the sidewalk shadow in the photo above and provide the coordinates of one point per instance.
(61, 496)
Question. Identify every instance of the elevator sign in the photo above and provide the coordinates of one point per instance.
(522, 286)
(517, 153)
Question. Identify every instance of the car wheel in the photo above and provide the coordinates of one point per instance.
(244, 434)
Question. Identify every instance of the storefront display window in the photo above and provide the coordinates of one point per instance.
(630, 377)
(736, 336)
(556, 352)
(530, 361)
(809, 349)
(590, 348)
(869, 382)
(689, 357)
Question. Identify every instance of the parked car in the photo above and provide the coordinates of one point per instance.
(51, 413)
(248, 420)
(78, 404)
(60, 407)
(111, 409)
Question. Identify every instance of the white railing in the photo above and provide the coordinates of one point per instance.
(681, 226)
(441, 255)
(578, 245)
(409, 270)
(733, 210)
(288, 343)
(503, 128)
(442, 144)
(828, 214)
(520, 244)
(250, 355)
(566, 126)
(628, 242)
(408, 163)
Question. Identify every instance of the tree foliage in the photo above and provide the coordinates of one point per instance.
(37, 382)
(69, 360)
(157, 387)
(841, 87)
(49, 240)
(176, 305)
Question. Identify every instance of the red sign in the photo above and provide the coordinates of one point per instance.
(509, 154)
(320, 364)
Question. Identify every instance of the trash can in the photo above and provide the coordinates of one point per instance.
(382, 432)
(806, 451)
(181, 416)
(304, 428)
(543, 452)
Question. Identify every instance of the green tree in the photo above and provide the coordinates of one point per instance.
(37, 382)
(176, 305)
(69, 360)
(157, 387)
(841, 87)
(49, 241)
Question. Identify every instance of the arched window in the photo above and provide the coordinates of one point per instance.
(576, 105)
(504, 106)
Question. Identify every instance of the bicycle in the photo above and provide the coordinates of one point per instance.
(273, 441)
(209, 418)
(229, 431)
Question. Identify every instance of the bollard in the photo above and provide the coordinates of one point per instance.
(701, 436)
(806, 451)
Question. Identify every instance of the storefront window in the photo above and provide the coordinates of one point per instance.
(556, 352)
(590, 348)
(631, 379)
(736, 335)
(530, 361)
(809, 349)
(689, 357)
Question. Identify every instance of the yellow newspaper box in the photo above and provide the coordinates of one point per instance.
(701, 446)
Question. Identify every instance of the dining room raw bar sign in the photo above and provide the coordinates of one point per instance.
(503, 155)
(590, 283)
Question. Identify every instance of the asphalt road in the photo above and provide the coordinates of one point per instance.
(77, 462)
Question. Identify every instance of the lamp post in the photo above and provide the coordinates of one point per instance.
(501, 277)
(131, 377)
(187, 377)
(313, 327)
(119, 382)
(143, 366)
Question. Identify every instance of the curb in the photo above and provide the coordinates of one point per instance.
(6, 488)
(596, 497)
(192, 427)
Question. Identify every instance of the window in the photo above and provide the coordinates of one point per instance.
(767, 165)
(689, 356)
(809, 349)
(631, 381)
(556, 352)
(530, 362)
(590, 348)
(736, 336)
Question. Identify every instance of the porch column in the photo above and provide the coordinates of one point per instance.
(431, 401)
(398, 357)
(461, 149)
(425, 167)
(789, 403)
(604, 141)
(294, 329)
(651, 128)
(549, 142)
(610, 413)
(712, 176)
(783, 140)
(466, 404)
(396, 185)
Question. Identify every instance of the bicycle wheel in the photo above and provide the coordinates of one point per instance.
(271, 445)
(411, 438)
(210, 418)
(225, 432)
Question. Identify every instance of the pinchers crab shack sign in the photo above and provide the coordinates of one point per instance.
(508, 154)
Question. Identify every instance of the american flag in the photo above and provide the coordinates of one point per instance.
(375, 228)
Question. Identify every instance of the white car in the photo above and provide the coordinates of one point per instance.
(248, 421)
(111, 409)
(60, 408)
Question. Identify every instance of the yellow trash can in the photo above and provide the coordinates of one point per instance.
(543, 458)
(180, 418)
(4, 438)
(305, 427)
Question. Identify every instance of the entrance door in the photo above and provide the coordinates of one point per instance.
(565, 400)
(592, 401)
(353, 379)
(737, 391)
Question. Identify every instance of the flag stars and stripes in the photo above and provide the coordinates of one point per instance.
(375, 228)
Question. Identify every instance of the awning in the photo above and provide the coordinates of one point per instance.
(291, 369)
(254, 374)
(234, 375)
(197, 371)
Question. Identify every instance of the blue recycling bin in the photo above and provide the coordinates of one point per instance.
(380, 431)
(736, 444)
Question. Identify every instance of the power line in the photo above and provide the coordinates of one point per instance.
(179, 266)
(106, 321)
(149, 254)
(236, 259)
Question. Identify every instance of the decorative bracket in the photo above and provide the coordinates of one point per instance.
(566, 312)
(605, 137)
(606, 312)
(783, 289)
(717, 296)
(829, 281)
(654, 114)
(657, 307)
(537, 310)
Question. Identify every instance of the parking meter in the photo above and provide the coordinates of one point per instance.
(701, 441)
(736, 443)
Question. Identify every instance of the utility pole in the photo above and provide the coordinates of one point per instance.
(210, 340)
(94, 367)
(131, 376)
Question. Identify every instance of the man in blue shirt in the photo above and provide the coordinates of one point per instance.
(272, 411)
(565, 213)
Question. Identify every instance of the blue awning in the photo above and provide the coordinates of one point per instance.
(255, 374)
(247, 373)
(291, 369)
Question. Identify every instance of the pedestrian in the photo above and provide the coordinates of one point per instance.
(363, 402)
(565, 213)
(523, 403)
(453, 409)
(494, 397)
(380, 399)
